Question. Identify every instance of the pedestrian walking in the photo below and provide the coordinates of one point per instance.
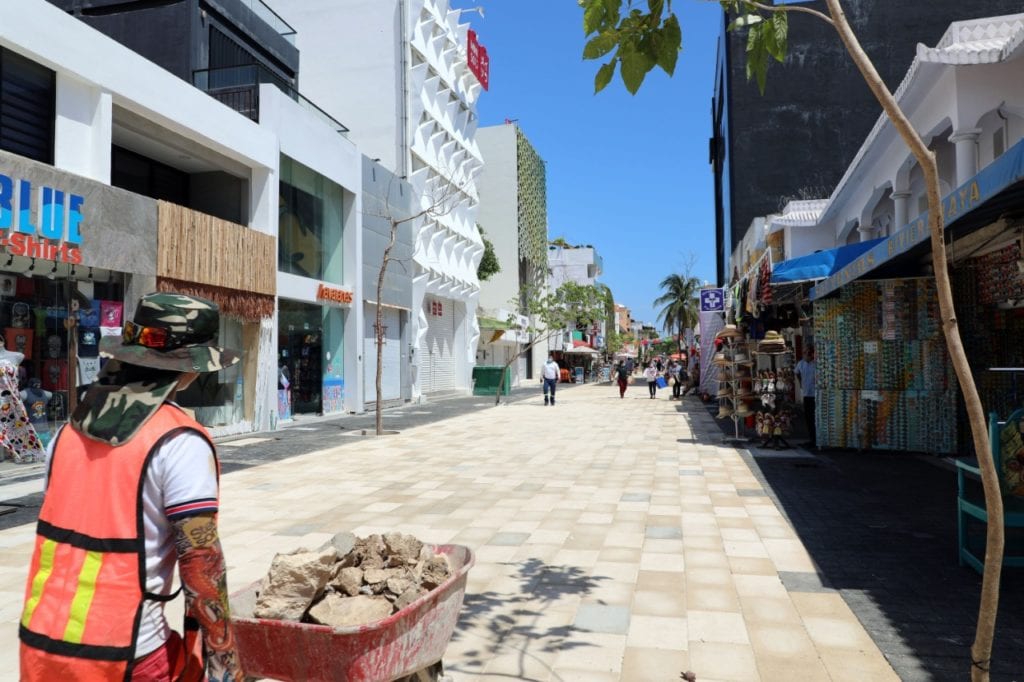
(550, 373)
(132, 490)
(805, 370)
(651, 376)
(622, 374)
(676, 380)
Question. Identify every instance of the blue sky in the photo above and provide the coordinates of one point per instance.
(628, 174)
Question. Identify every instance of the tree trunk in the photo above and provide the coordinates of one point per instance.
(981, 651)
(379, 331)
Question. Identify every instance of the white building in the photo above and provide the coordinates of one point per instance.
(513, 216)
(579, 264)
(958, 96)
(397, 72)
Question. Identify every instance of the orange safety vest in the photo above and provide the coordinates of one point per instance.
(87, 581)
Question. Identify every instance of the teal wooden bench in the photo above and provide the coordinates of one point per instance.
(1007, 444)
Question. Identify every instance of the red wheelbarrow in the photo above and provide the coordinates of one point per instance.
(407, 641)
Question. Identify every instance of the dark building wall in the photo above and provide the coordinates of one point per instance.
(176, 33)
(159, 32)
(797, 140)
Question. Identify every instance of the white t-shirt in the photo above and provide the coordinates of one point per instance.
(181, 480)
(550, 369)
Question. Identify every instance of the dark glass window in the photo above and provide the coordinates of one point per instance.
(28, 95)
(142, 175)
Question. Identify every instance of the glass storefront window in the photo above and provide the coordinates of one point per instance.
(217, 398)
(310, 224)
(311, 366)
(55, 323)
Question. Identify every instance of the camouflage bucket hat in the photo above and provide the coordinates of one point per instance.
(172, 333)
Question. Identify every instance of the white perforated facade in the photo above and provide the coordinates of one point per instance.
(395, 71)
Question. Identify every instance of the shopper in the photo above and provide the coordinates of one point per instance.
(132, 490)
(550, 373)
(622, 374)
(676, 379)
(805, 370)
(651, 376)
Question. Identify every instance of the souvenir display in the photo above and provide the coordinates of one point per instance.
(110, 313)
(883, 374)
(774, 383)
(20, 340)
(734, 376)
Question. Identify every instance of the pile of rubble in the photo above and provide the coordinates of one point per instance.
(350, 581)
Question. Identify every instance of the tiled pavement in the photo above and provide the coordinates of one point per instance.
(614, 539)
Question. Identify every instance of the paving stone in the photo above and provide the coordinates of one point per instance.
(602, 618)
(664, 533)
(509, 539)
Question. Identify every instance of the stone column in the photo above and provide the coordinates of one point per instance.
(866, 232)
(901, 201)
(966, 142)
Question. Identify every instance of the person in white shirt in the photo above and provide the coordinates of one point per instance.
(808, 384)
(550, 373)
(651, 375)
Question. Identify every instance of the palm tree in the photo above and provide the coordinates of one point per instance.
(678, 304)
(608, 300)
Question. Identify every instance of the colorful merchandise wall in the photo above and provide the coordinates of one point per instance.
(987, 291)
(884, 377)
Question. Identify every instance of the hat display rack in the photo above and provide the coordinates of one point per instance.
(734, 379)
(774, 383)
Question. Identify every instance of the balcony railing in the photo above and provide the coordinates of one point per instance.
(238, 87)
(272, 18)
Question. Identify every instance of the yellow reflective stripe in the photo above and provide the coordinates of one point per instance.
(84, 593)
(46, 553)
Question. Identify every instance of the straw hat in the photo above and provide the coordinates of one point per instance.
(725, 410)
(720, 360)
(724, 392)
(729, 331)
(743, 410)
(773, 337)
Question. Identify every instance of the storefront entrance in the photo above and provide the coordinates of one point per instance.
(300, 355)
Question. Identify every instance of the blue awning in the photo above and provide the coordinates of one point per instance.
(819, 265)
(965, 203)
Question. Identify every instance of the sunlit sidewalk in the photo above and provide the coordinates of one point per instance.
(614, 539)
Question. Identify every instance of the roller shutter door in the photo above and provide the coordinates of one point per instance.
(391, 378)
(437, 359)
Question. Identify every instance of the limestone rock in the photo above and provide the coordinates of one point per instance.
(348, 580)
(403, 549)
(435, 571)
(294, 582)
(338, 611)
(409, 596)
(343, 543)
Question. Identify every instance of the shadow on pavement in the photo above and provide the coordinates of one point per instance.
(519, 624)
(881, 528)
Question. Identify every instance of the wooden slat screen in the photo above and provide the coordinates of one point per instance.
(196, 247)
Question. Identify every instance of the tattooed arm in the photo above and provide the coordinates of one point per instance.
(204, 582)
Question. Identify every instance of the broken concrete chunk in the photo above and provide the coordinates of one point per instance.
(294, 582)
(375, 576)
(409, 596)
(403, 549)
(343, 543)
(348, 580)
(398, 585)
(338, 611)
(435, 571)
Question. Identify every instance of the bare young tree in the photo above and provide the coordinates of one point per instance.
(441, 197)
(644, 38)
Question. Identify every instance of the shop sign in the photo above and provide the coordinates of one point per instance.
(478, 61)
(52, 231)
(333, 295)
